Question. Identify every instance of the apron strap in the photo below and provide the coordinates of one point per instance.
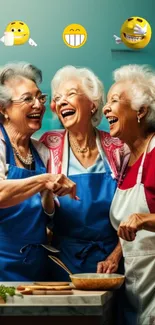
(9, 150)
(140, 170)
(103, 156)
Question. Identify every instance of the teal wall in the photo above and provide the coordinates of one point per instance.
(101, 18)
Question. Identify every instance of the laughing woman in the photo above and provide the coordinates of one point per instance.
(90, 158)
(131, 100)
(24, 182)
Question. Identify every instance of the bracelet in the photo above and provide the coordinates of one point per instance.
(50, 214)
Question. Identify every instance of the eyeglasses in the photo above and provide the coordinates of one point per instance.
(30, 100)
(67, 96)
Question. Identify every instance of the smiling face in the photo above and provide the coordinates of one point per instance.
(121, 117)
(136, 32)
(20, 30)
(23, 116)
(74, 35)
(72, 105)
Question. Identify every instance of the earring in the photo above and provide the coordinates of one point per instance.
(6, 117)
(93, 111)
(138, 119)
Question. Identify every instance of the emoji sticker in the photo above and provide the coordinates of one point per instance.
(135, 33)
(17, 33)
(74, 35)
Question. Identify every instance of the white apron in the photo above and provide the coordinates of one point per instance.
(139, 255)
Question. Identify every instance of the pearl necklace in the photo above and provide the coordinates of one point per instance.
(26, 161)
(77, 147)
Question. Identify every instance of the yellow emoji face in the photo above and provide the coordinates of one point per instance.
(136, 32)
(20, 31)
(74, 35)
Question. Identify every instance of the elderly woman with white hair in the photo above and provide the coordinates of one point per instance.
(91, 159)
(130, 110)
(26, 189)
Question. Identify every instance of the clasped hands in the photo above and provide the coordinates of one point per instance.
(60, 185)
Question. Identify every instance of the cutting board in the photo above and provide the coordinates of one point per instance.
(52, 292)
(46, 288)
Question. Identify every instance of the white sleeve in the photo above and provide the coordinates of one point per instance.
(3, 165)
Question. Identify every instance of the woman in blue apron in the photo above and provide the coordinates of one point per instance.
(23, 228)
(82, 230)
(23, 176)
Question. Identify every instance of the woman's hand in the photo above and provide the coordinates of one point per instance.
(107, 266)
(110, 265)
(21, 189)
(128, 229)
(61, 185)
(137, 221)
(48, 202)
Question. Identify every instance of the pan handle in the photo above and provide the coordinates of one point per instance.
(60, 263)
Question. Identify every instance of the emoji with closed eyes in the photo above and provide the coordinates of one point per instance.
(135, 33)
(74, 35)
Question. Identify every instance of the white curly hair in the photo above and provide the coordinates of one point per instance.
(142, 90)
(91, 85)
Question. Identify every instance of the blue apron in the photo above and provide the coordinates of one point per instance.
(23, 228)
(82, 229)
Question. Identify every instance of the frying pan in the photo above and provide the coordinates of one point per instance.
(92, 281)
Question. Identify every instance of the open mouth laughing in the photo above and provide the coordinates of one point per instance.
(133, 38)
(74, 39)
(112, 120)
(35, 116)
(67, 112)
